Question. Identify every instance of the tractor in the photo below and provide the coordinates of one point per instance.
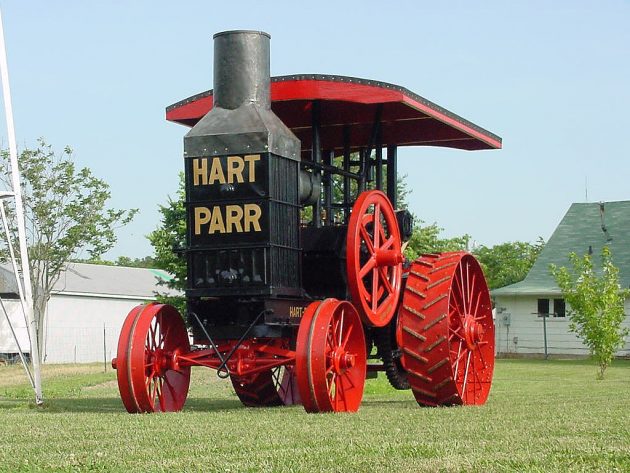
(297, 284)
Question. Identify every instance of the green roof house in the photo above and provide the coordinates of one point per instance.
(533, 309)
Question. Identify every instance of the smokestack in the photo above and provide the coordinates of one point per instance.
(241, 120)
(241, 69)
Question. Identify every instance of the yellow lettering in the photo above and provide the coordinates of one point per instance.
(235, 166)
(216, 172)
(252, 217)
(202, 216)
(233, 217)
(216, 222)
(251, 160)
(200, 170)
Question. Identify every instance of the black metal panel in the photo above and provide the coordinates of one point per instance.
(242, 182)
(229, 319)
(324, 262)
(243, 237)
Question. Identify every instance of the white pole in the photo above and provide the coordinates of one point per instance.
(19, 213)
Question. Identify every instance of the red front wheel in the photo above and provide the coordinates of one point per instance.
(149, 376)
(331, 357)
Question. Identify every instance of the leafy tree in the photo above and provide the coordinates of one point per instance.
(65, 213)
(426, 239)
(508, 263)
(596, 302)
(146, 262)
(170, 236)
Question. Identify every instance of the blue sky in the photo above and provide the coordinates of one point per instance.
(551, 78)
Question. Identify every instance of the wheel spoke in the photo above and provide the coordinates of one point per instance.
(468, 288)
(461, 302)
(367, 267)
(341, 327)
(466, 376)
(345, 340)
(160, 394)
(365, 236)
(385, 279)
(388, 243)
(374, 291)
(340, 391)
(454, 333)
(459, 352)
(349, 380)
(377, 225)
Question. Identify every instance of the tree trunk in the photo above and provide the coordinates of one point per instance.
(40, 303)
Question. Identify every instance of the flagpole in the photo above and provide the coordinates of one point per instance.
(19, 214)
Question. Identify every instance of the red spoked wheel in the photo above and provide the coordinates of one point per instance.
(275, 387)
(446, 331)
(331, 358)
(150, 378)
(374, 258)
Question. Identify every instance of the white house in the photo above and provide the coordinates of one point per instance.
(531, 316)
(85, 313)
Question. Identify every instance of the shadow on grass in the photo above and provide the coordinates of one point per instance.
(114, 405)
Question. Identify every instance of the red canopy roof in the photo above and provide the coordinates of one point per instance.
(407, 119)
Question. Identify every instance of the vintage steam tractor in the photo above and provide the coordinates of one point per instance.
(296, 274)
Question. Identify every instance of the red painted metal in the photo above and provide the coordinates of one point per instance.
(331, 357)
(406, 118)
(150, 379)
(446, 332)
(251, 357)
(374, 258)
(274, 387)
(122, 362)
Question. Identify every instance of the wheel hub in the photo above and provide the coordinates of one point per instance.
(388, 258)
(473, 332)
(342, 360)
(158, 361)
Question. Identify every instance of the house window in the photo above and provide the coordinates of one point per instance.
(543, 307)
(559, 308)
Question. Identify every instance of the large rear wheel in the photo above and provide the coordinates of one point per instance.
(446, 331)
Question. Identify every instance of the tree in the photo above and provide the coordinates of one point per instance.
(166, 240)
(65, 213)
(596, 302)
(508, 263)
(426, 239)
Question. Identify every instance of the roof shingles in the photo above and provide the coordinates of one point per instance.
(580, 231)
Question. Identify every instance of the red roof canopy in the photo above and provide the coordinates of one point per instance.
(407, 119)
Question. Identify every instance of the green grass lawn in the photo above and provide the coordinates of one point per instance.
(540, 416)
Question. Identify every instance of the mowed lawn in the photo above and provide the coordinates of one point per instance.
(541, 416)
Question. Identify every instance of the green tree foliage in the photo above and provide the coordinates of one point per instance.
(596, 302)
(508, 263)
(426, 239)
(167, 240)
(146, 262)
(66, 213)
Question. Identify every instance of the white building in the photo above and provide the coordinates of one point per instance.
(531, 314)
(85, 312)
